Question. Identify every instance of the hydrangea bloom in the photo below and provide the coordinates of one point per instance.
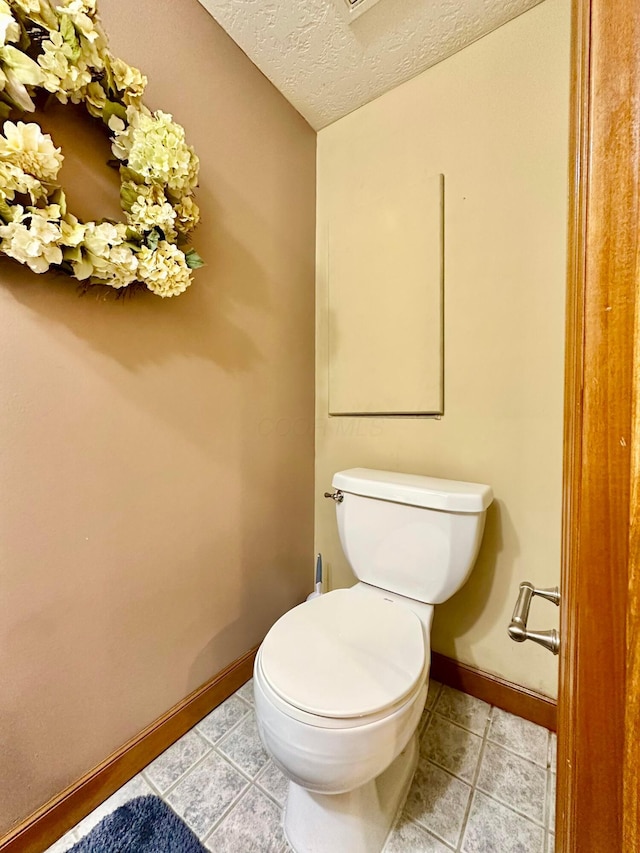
(128, 80)
(33, 239)
(28, 148)
(187, 215)
(65, 75)
(116, 266)
(154, 147)
(146, 208)
(13, 180)
(164, 269)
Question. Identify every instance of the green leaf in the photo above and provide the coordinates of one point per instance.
(193, 259)
(128, 195)
(66, 29)
(68, 33)
(26, 70)
(72, 253)
(5, 211)
(152, 239)
(127, 174)
(5, 110)
(24, 42)
(112, 108)
(58, 197)
(108, 74)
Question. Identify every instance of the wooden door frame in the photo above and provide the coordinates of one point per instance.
(599, 701)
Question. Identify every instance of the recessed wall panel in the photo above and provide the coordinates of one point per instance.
(385, 290)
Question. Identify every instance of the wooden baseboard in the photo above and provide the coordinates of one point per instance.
(64, 811)
(510, 697)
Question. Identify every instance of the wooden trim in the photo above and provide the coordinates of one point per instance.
(496, 691)
(64, 811)
(573, 415)
(631, 781)
(602, 296)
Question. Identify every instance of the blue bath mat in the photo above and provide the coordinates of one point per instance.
(143, 825)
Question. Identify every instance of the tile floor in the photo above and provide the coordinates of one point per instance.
(485, 783)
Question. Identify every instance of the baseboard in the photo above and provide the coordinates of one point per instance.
(64, 811)
(510, 697)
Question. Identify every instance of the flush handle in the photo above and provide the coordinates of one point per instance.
(518, 628)
(336, 496)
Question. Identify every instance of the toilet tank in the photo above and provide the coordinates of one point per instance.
(412, 535)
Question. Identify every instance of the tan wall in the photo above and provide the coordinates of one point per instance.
(493, 119)
(153, 524)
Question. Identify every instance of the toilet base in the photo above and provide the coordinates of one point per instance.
(356, 822)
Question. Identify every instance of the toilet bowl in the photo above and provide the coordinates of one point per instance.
(340, 682)
(336, 705)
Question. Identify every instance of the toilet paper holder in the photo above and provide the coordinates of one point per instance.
(518, 631)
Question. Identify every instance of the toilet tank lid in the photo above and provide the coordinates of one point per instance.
(414, 490)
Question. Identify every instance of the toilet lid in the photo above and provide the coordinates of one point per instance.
(342, 655)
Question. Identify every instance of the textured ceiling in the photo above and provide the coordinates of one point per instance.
(327, 65)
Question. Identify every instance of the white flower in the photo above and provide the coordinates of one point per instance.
(85, 7)
(116, 266)
(98, 238)
(13, 180)
(164, 270)
(98, 251)
(154, 146)
(9, 27)
(73, 231)
(127, 79)
(80, 14)
(33, 240)
(151, 209)
(95, 99)
(52, 212)
(65, 76)
(39, 11)
(87, 30)
(187, 214)
(28, 148)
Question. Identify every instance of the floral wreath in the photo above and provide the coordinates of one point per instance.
(59, 47)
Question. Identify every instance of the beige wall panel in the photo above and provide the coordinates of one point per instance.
(494, 120)
(384, 255)
(144, 541)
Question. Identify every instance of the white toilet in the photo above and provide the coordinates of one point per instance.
(341, 681)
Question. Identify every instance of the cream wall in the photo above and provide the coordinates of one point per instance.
(494, 120)
(153, 523)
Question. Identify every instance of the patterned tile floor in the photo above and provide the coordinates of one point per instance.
(485, 783)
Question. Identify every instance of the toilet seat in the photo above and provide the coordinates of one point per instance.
(344, 657)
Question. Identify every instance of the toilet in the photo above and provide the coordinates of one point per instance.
(340, 682)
